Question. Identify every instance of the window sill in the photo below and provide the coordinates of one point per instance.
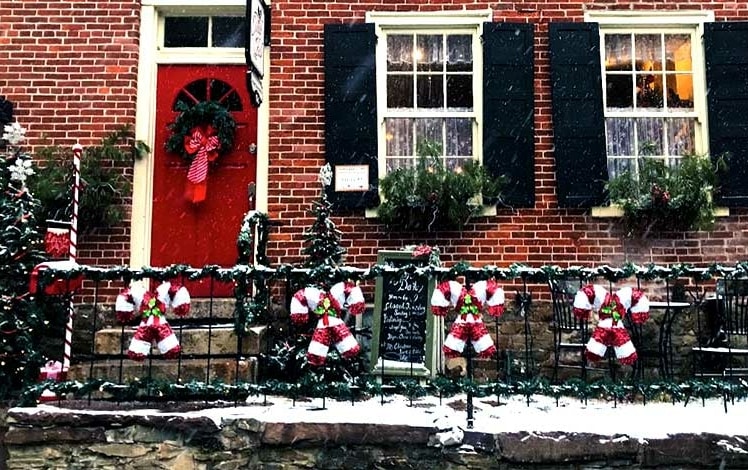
(486, 212)
(615, 212)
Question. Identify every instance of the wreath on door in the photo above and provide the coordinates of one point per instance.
(200, 134)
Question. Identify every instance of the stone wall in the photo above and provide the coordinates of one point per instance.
(109, 441)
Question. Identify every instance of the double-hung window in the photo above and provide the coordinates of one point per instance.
(455, 79)
(428, 83)
(653, 89)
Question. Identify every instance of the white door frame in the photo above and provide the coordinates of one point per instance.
(150, 57)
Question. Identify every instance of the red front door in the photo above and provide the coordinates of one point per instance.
(199, 234)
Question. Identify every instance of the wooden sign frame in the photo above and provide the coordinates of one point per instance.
(432, 354)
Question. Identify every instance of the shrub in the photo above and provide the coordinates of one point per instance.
(429, 195)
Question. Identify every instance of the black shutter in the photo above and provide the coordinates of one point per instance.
(508, 109)
(726, 52)
(6, 111)
(351, 107)
(578, 126)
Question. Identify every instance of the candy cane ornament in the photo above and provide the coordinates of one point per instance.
(469, 305)
(153, 327)
(330, 330)
(612, 309)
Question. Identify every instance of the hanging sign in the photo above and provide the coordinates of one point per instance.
(258, 36)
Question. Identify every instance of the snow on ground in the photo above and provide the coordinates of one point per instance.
(634, 420)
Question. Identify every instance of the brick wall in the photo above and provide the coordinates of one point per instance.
(541, 235)
(70, 68)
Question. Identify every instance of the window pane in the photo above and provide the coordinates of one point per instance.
(228, 31)
(680, 91)
(673, 161)
(454, 163)
(618, 166)
(400, 52)
(400, 91)
(648, 52)
(399, 137)
(620, 136)
(430, 91)
(678, 52)
(459, 137)
(460, 53)
(617, 52)
(185, 31)
(680, 136)
(395, 163)
(430, 129)
(430, 53)
(649, 91)
(199, 89)
(459, 92)
(619, 91)
(649, 136)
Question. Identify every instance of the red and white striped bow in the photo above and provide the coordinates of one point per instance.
(203, 143)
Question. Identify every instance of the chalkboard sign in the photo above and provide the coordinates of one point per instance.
(403, 337)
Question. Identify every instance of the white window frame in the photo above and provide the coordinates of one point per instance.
(202, 55)
(658, 21)
(449, 22)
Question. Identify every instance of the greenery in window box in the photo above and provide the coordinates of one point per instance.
(103, 182)
(430, 196)
(661, 197)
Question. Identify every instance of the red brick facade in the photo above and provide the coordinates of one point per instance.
(71, 70)
(543, 235)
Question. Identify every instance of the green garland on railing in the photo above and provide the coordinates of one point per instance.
(254, 308)
(367, 386)
(258, 222)
(515, 271)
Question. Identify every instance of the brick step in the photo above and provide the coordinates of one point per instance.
(215, 308)
(187, 370)
(220, 310)
(198, 339)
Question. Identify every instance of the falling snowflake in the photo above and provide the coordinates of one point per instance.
(325, 175)
(14, 134)
(20, 170)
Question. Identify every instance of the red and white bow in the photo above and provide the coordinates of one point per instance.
(203, 144)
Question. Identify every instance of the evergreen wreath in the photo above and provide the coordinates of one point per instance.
(216, 121)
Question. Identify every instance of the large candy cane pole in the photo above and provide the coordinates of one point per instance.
(77, 151)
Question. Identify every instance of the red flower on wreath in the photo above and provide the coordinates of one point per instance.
(202, 142)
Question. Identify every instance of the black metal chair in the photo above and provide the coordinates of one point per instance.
(569, 332)
(647, 343)
(722, 330)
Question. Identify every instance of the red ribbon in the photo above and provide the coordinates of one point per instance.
(203, 144)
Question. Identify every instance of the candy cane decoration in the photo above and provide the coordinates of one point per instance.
(77, 151)
(331, 330)
(612, 309)
(151, 308)
(469, 305)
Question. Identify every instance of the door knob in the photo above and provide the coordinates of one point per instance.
(253, 148)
